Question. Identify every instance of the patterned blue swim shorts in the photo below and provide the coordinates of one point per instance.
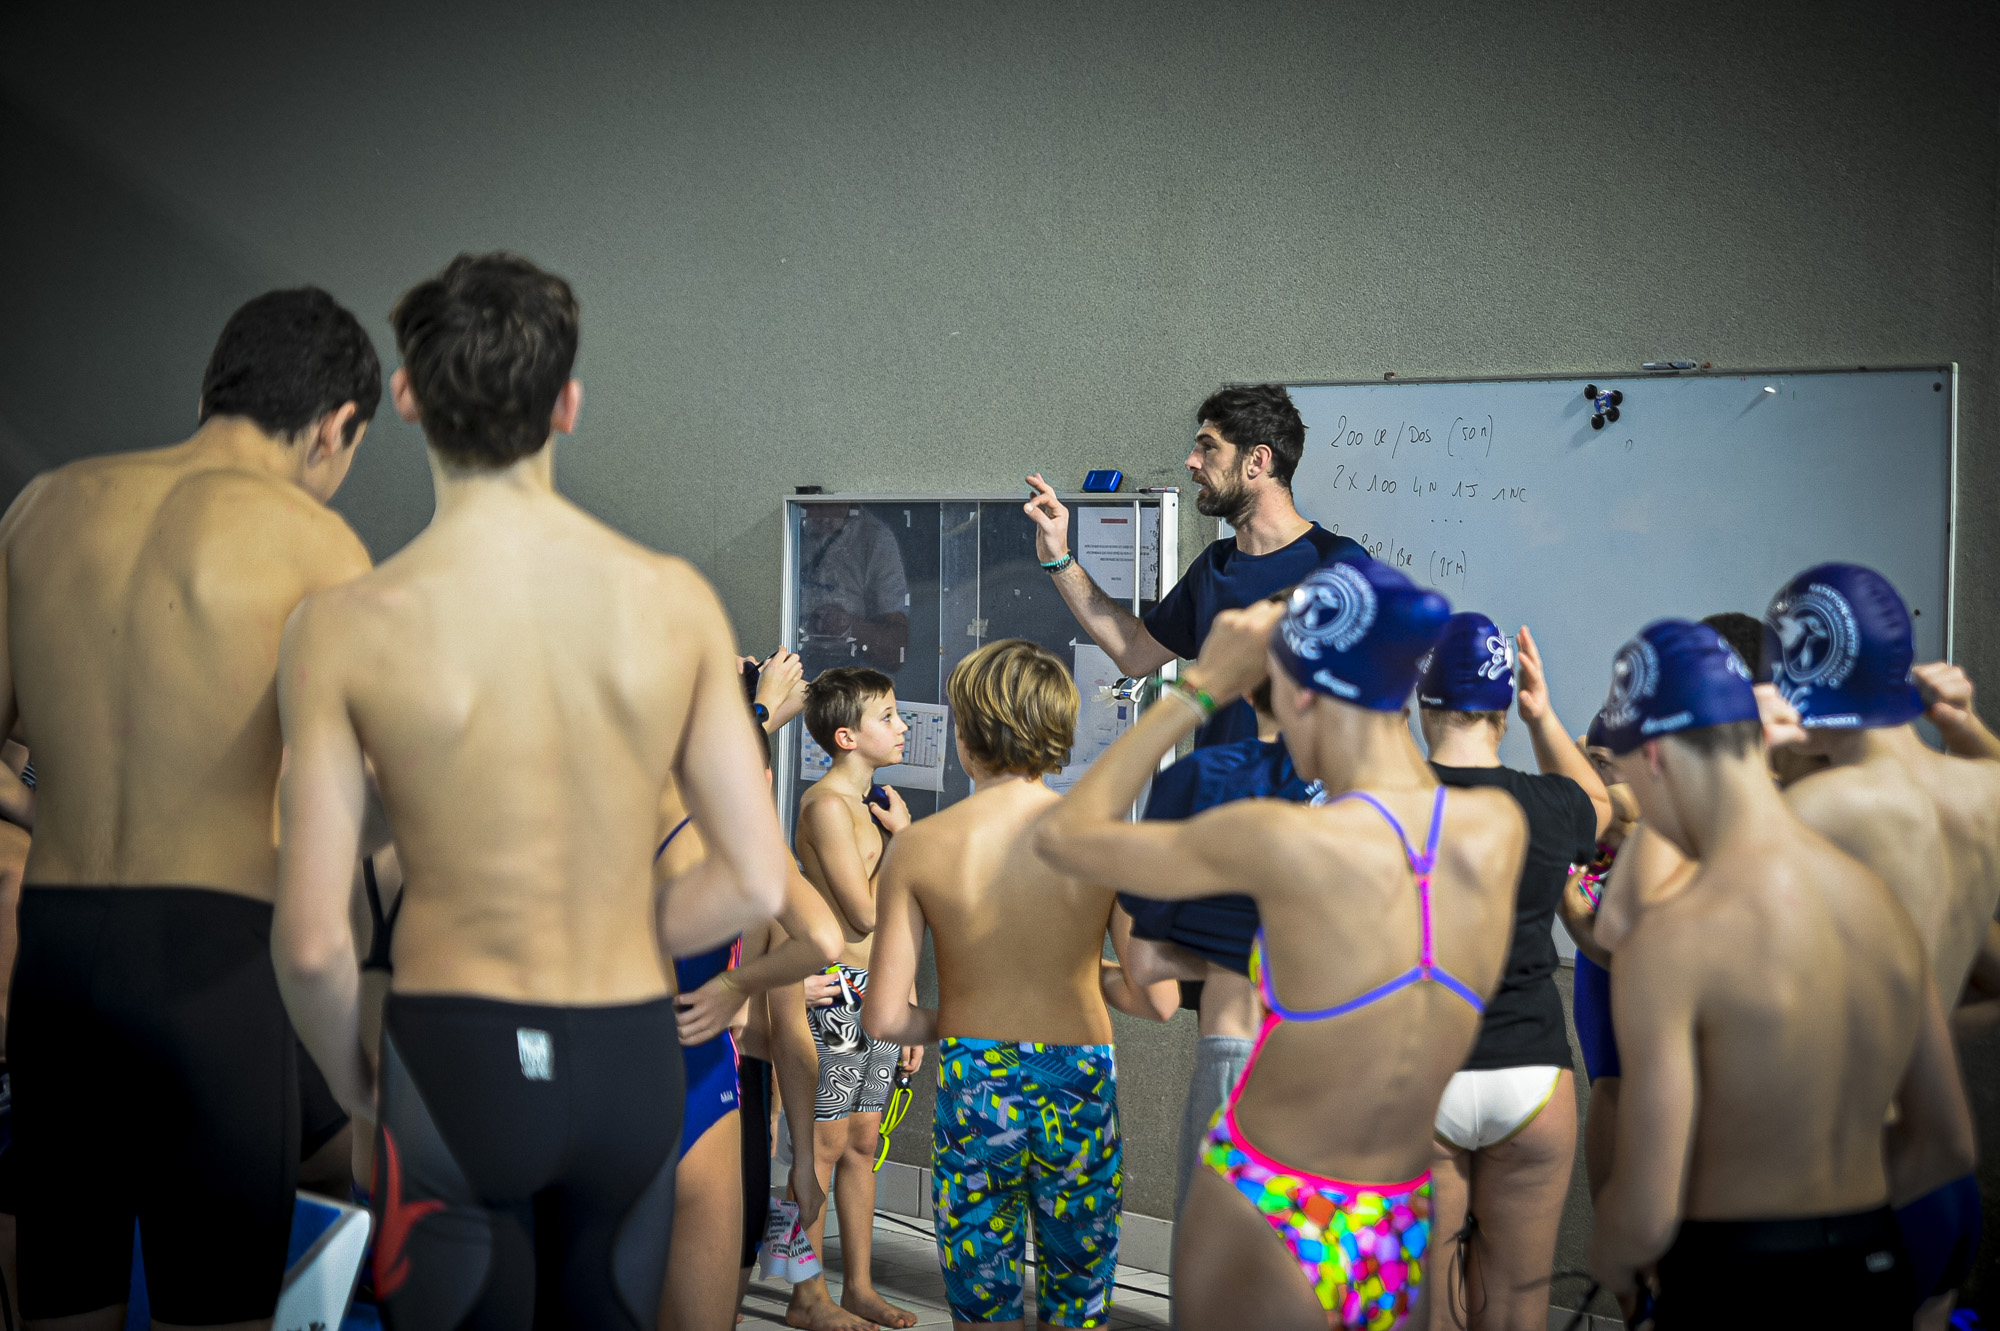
(1020, 1125)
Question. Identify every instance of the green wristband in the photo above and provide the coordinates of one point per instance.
(1055, 566)
(1194, 697)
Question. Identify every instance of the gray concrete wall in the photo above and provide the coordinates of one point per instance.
(883, 246)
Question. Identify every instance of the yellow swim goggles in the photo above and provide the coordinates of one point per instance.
(892, 1115)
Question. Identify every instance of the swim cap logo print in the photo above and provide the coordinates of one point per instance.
(1840, 642)
(1819, 637)
(1332, 610)
(1502, 658)
(1635, 673)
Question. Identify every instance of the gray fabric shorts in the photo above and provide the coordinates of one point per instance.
(1218, 1061)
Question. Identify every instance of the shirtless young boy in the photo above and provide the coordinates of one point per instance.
(1027, 1099)
(851, 713)
(525, 682)
(140, 610)
(1769, 1014)
(1840, 648)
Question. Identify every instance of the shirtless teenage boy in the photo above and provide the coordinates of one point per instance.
(1027, 1099)
(1840, 647)
(140, 611)
(525, 682)
(1768, 1016)
(851, 713)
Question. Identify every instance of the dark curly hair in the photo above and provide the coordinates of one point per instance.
(1251, 414)
(488, 345)
(289, 358)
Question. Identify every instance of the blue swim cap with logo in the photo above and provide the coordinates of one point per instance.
(1839, 645)
(1355, 630)
(1674, 676)
(1471, 669)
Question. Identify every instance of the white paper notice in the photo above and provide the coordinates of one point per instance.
(1104, 548)
(1102, 718)
(924, 750)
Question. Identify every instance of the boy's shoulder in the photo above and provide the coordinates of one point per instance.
(822, 801)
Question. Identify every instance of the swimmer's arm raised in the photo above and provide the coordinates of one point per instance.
(1947, 692)
(1652, 1009)
(887, 1012)
(1931, 1142)
(830, 827)
(1554, 752)
(322, 792)
(720, 772)
(1086, 834)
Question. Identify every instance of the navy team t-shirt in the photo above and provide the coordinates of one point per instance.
(1224, 578)
(1218, 929)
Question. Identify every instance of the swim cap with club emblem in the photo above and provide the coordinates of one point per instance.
(1355, 630)
(1471, 669)
(1673, 676)
(1839, 645)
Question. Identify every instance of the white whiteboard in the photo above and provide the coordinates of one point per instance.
(1707, 494)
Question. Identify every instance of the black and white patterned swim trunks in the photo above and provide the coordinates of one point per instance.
(856, 1073)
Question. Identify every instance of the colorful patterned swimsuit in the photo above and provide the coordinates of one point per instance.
(1360, 1245)
(1027, 1132)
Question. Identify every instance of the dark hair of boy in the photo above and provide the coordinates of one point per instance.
(1253, 414)
(1744, 633)
(488, 345)
(288, 358)
(1014, 705)
(838, 699)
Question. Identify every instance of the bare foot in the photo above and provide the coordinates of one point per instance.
(869, 1304)
(821, 1313)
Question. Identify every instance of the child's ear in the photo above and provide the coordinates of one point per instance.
(844, 738)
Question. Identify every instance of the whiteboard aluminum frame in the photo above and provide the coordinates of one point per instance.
(1949, 370)
(1167, 501)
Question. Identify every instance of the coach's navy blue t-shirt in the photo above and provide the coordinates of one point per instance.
(1222, 579)
(1218, 929)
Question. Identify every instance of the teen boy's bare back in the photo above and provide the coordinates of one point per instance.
(1018, 943)
(526, 681)
(840, 845)
(140, 614)
(1929, 824)
(1789, 983)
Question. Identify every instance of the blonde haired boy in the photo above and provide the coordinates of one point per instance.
(1027, 1098)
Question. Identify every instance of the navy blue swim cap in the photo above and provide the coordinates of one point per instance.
(1471, 669)
(1674, 676)
(1839, 644)
(1355, 630)
(1593, 738)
